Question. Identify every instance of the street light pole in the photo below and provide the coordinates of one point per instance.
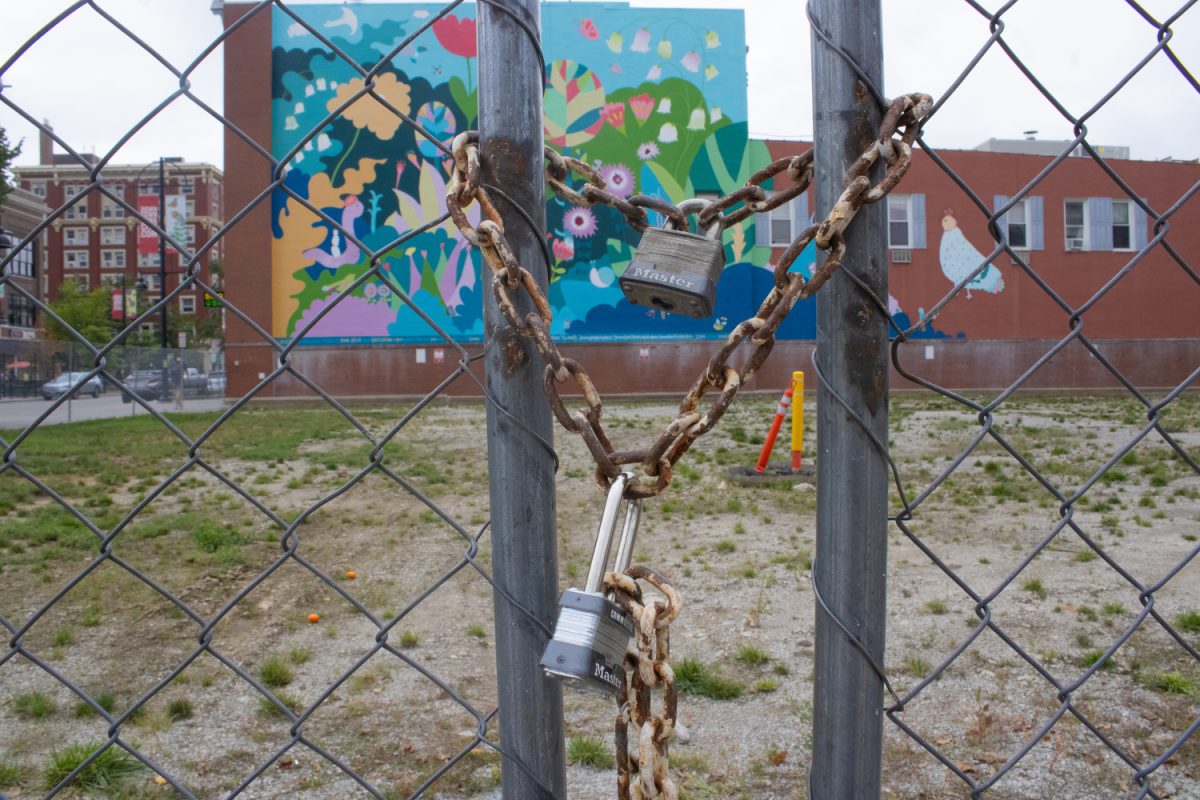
(162, 245)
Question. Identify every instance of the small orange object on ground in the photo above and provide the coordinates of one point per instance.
(351, 574)
(314, 618)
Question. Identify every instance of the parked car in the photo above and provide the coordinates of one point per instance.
(195, 381)
(63, 383)
(146, 384)
(216, 382)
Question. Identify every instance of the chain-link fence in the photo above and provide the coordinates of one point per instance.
(213, 545)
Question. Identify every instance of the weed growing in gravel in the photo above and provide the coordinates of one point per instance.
(936, 607)
(725, 546)
(103, 776)
(1092, 656)
(917, 666)
(589, 751)
(1084, 556)
(10, 772)
(299, 655)
(63, 637)
(105, 700)
(267, 707)
(274, 673)
(695, 677)
(409, 639)
(765, 685)
(1188, 622)
(1113, 609)
(1167, 682)
(33, 705)
(476, 630)
(752, 656)
(180, 709)
(1034, 586)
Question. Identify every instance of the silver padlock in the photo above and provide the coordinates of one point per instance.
(588, 647)
(677, 271)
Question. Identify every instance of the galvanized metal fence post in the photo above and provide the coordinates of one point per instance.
(520, 468)
(852, 485)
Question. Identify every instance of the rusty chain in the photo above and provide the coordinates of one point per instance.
(646, 667)
(899, 129)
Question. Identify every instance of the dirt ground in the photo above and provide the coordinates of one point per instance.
(740, 554)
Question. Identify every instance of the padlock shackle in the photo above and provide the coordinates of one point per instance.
(633, 518)
(608, 526)
(697, 206)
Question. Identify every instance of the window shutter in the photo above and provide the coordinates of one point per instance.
(1035, 216)
(1099, 220)
(799, 207)
(917, 204)
(762, 230)
(998, 202)
(1139, 227)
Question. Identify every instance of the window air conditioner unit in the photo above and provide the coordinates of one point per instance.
(902, 256)
(1074, 244)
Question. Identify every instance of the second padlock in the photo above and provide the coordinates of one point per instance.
(588, 647)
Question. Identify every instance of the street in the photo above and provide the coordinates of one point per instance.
(20, 413)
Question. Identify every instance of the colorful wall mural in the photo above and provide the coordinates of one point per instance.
(656, 98)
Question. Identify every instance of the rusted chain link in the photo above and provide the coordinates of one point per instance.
(646, 667)
(899, 129)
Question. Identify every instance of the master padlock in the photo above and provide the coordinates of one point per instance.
(588, 647)
(677, 271)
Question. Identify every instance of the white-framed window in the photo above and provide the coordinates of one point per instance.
(81, 282)
(906, 221)
(24, 263)
(147, 328)
(112, 234)
(75, 236)
(151, 281)
(72, 189)
(112, 259)
(781, 226)
(38, 188)
(110, 209)
(147, 259)
(1075, 224)
(187, 304)
(77, 210)
(148, 188)
(190, 205)
(75, 259)
(1018, 226)
(187, 186)
(1122, 225)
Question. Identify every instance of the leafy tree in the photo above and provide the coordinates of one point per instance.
(8, 154)
(88, 312)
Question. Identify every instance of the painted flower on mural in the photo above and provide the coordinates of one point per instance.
(614, 114)
(642, 106)
(618, 179)
(668, 133)
(588, 30)
(580, 222)
(436, 118)
(664, 48)
(710, 72)
(698, 120)
(654, 73)
(573, 102)
(647, 151)
(457, 35)
(712, 40)
(615, 42)
(641, 41)
(564, 249)
(691, 61)
(367, 112)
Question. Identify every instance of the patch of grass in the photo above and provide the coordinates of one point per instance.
(1092, 656)
(694, 677)
(180, 709)
(917, 667)
(477, 631)
(1087, 613)
(1034, 586)
(1112, 609)
(733, 505)
(33, 705)
(409, 639)
(275, 673)
(725, 546)
(267, 708)
(936, 607)
(299, 655)
(589, 751)
(105, 700)
(91, 615)
(101, 777)
(766, 685)
(1188, 622)
(752, 656)
(1167, 682)
(11, 772)
(63, 637)
(1084, 556)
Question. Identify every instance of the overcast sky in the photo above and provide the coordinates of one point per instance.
(93, 83)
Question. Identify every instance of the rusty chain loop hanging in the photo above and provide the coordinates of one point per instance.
(899, 129)
(646, 667)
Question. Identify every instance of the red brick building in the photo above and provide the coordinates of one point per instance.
(95, 241)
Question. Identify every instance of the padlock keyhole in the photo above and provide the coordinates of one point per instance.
(663, 304)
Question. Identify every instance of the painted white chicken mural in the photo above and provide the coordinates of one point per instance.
(959, 258)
